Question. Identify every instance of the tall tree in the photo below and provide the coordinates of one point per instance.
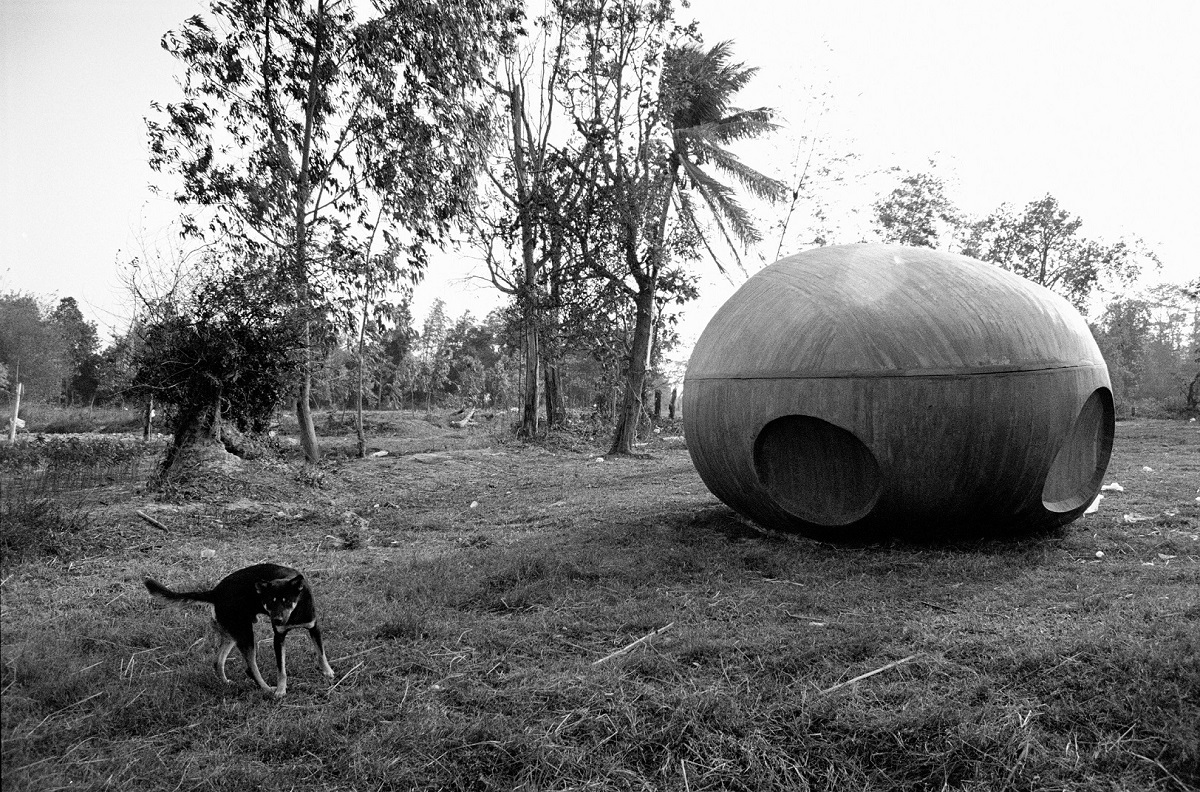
(298, 122)
(660, 118)
(918, 213)
(1042, 243)
(531, 189)
(82, 351)
(32, 348)
(434, 354)
(1122, 335)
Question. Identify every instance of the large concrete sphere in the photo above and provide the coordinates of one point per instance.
(860, 391)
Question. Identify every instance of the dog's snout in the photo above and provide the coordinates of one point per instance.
(281, 612)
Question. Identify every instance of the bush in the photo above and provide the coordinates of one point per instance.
(69, 452)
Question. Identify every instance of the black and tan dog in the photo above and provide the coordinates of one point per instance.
(279, 592)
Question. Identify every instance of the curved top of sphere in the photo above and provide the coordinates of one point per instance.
(887, 310)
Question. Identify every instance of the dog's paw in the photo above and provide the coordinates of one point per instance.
(328, 673)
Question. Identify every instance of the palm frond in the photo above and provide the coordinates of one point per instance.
(758, 184)
(687, 213)
(700, 84)
(724, 207)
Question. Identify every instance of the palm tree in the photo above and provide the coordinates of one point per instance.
(696, 92)
(698, 87)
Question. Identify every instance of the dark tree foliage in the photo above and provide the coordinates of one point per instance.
(32, 349)
(917, 212)
(229, 354)
(82, 352)
(1043, 243)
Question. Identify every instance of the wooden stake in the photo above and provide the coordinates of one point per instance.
(12, 429)
(634, 645)
(861, 677)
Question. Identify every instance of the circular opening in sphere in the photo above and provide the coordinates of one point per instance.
(1078, 468)
(816, 471)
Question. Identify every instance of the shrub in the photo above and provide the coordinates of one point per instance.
(61, 452)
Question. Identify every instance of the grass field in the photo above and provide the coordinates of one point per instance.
(469, 592)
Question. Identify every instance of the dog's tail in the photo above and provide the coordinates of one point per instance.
(159, 590)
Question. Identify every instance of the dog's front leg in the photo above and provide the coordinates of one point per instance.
(314, 632)
(280, 663)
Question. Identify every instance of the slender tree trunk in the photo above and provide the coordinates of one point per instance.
(556, 412)
(147, 419)
(529, 413)
(308, 432)
(635, 379)
(527, 295)
(358, 412)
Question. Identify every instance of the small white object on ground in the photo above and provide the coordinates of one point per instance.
(1095, 505)
(1099, 554)
(207, 553)
(1114, 487)
(1147, 469)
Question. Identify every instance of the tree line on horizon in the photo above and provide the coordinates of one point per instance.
(587, 153)
(440, 362)
(1150, 338)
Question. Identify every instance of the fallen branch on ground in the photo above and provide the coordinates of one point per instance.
(634, 645)
(861, 677)
(153, 522)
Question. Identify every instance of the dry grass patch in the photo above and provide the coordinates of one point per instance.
(465, 640)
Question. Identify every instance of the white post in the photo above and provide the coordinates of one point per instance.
(12, 429)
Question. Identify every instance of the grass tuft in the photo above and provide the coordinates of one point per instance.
(34, 525)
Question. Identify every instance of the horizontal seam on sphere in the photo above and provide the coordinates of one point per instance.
(982, 371)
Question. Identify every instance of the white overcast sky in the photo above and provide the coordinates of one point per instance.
(1095, 102)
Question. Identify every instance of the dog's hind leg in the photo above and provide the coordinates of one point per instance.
(245, 644)
(225, 644)
(314, 632)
